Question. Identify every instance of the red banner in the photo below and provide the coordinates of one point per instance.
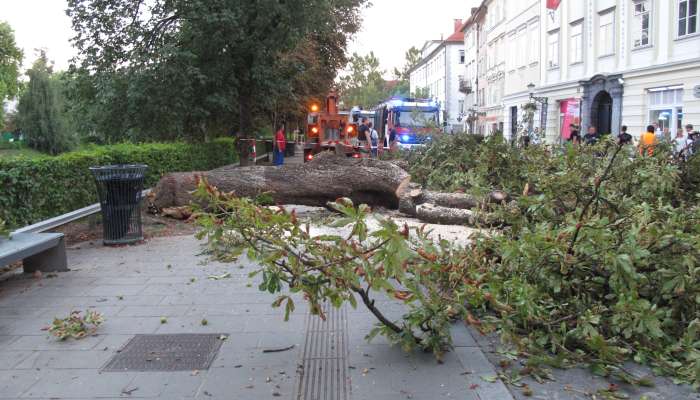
(553, 4)
(570, 111)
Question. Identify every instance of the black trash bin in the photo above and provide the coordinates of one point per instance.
(289, 150)
(119, 189)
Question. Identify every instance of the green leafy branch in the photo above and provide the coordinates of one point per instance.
(338, 268)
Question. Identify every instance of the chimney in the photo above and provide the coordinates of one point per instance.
(458, 24)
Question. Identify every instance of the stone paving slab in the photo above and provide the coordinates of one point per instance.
(136, 286)
(580, 384)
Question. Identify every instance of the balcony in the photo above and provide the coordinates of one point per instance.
(465, 86)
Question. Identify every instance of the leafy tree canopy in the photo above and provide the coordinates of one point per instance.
(10, 62)
(403, 76)
(364, 84)
(41, 113)
(193, 67)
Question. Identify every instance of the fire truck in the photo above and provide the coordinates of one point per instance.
(329, 129)
(415, 120)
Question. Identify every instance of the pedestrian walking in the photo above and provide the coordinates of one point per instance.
(648, 141)
(280, 145)
(624, 138)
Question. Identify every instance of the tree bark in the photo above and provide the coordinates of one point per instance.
(245, 128)
(325, 179)
(329, 177)
(452, 216)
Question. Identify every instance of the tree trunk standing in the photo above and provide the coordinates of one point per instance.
(245, 128)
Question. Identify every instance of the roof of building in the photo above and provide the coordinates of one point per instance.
(456, 37)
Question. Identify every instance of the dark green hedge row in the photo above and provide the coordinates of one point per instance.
(35, 189)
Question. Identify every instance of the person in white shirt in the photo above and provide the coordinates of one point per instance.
(679, 143)
(374, 138)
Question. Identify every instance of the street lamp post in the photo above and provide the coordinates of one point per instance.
(544, 101)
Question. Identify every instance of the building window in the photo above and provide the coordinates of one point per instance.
(641, 22)
(607, 33)
(687, 17)
(522, 47)
(553, 49)
(461, 106)
(576, 43)
(461, 56)
(534, 43)
(666, 108)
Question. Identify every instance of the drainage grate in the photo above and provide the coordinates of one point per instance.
(183, 352)
(324, 370)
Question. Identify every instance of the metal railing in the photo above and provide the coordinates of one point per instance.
(65, 219)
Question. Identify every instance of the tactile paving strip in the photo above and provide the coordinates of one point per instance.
(324, 370)
(181, 352)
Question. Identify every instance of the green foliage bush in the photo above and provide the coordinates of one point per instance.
(599, 256)
(597, 260)
(4, 230)
(35, 189)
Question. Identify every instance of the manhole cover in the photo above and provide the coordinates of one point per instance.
(184, 352)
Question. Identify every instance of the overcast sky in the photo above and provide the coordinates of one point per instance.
(390, 27)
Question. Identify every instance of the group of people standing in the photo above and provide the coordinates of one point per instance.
(684, 144)
(368, 139)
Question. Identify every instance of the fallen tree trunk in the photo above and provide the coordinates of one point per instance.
(452, 216)
(325, 179)
(411, 198)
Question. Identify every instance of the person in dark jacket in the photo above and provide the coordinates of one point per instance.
(591, 137)
(624, 138)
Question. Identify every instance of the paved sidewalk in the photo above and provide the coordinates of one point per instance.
(134, 287)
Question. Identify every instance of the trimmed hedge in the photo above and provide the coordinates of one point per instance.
(36, 189)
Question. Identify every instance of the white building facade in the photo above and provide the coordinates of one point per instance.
(439, 73)
(597, 63)
(522, 63)
(468, 85)
(492, 57)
